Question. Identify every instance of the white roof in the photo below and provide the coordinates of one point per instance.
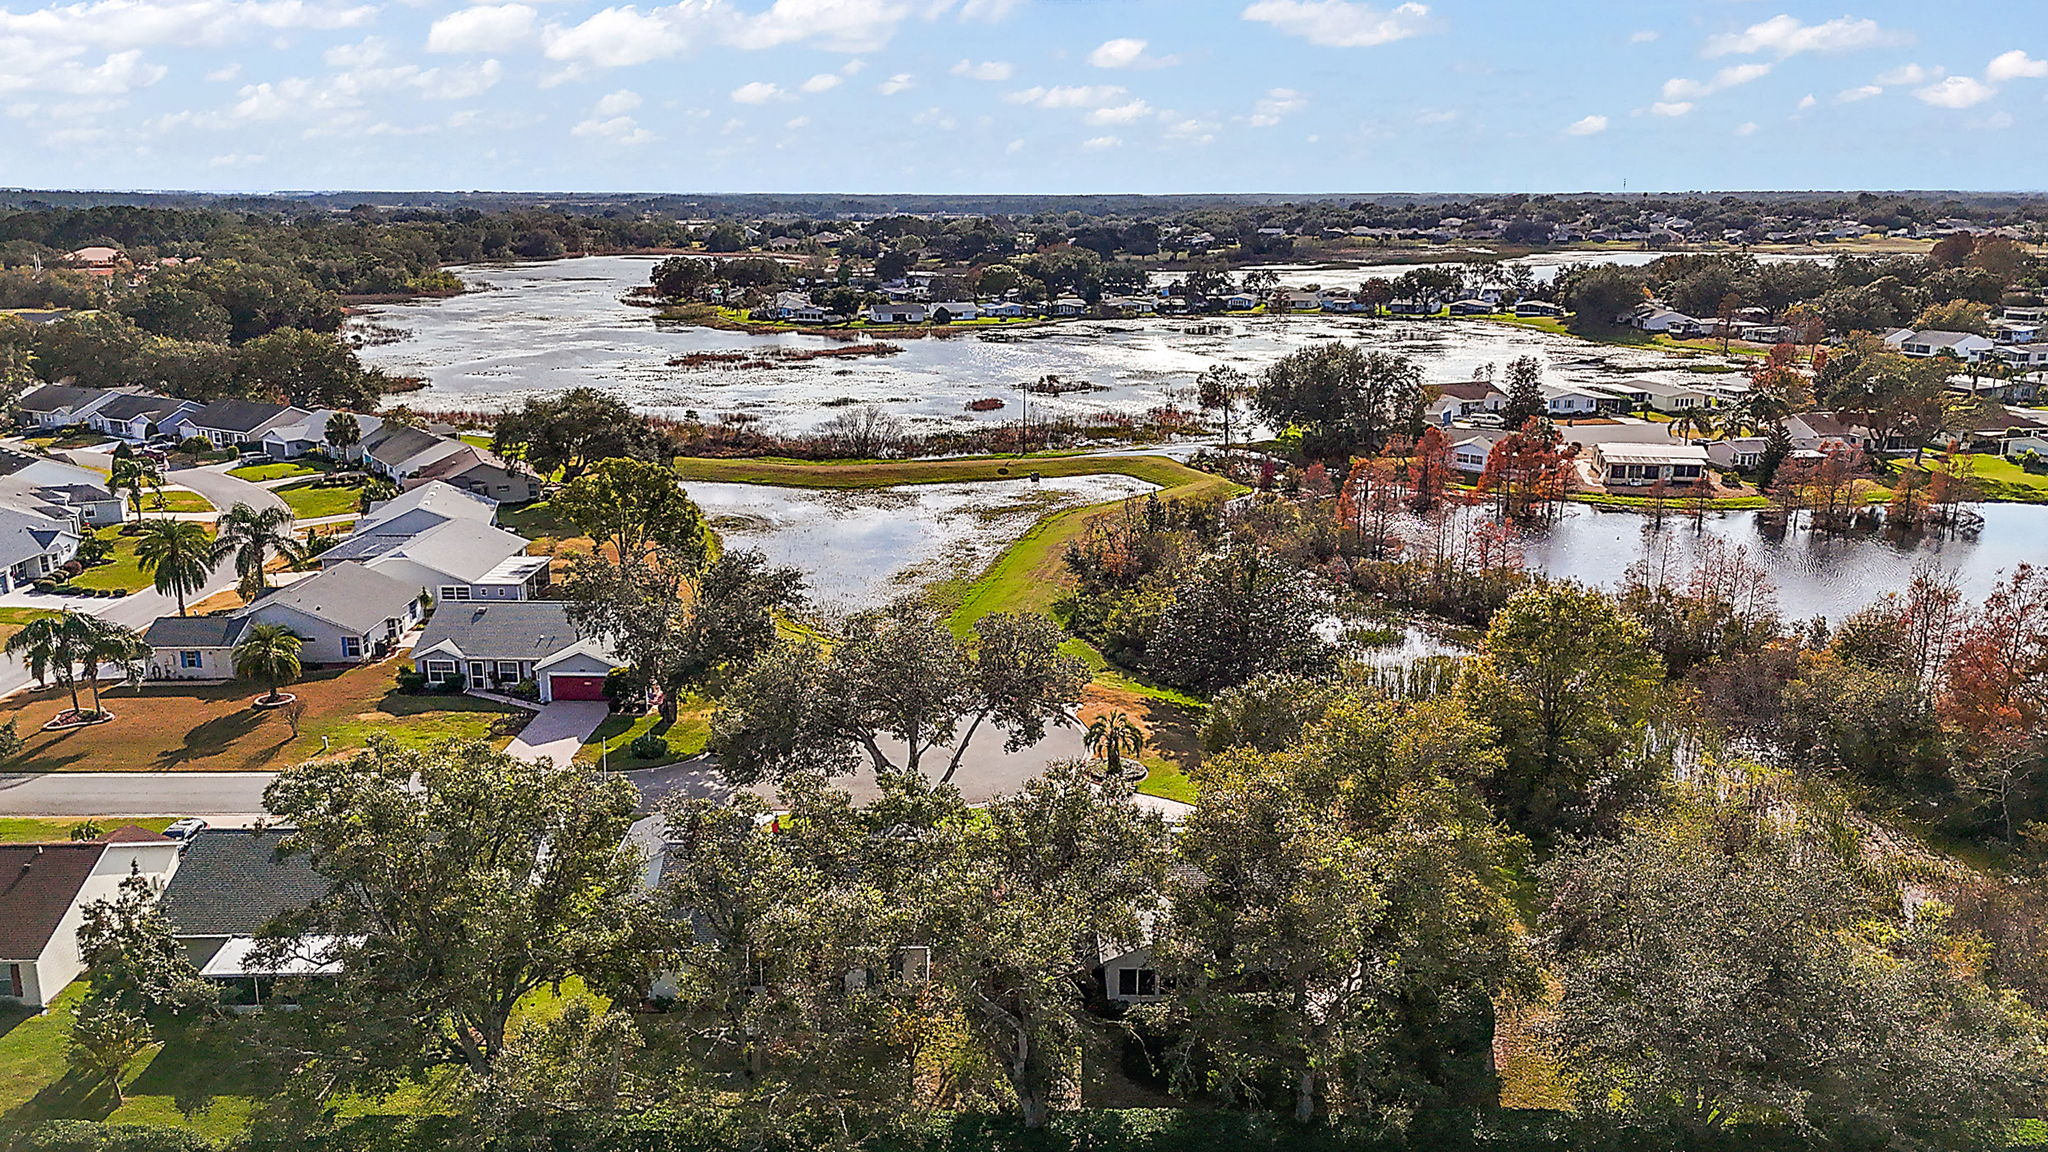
(434, 496)
(309, 955)
(1651, 453)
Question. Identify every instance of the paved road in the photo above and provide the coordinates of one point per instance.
(225, 491)
(986, 772)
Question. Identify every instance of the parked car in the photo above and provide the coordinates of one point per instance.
(185, 829)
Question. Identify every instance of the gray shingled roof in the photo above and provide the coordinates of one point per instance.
(126, 406)
(52, 397)
(194, 631)
(504, 630)
(237, 415)
(231, 882)
(347, 595)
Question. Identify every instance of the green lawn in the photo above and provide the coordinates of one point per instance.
(32, 829)
(13, 619)
(2001, 479)
(614, 738)
(308, 502)
(121, 572)
(257, 473)
(1626, 337)
(175, 500)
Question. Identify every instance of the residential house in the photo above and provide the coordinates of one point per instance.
(950, 310)
(480, 472)
(1469, 453)
(1740, 452)
(1240, 302)
(346, 614)
(32, 546)
(492, 647)
(1814, 430)
(86, 506)
(427, 505)
(1539, 308)
(399, 452)
(194, 647)
(455, 560)
(1003, 310)
(1966, 346)
(895, 313)
(44, 892)
(95, 259)
(795, 307)
(233, 423)
(2018, 331)
(1655, 394)
(137, 416)
(1067, 306)
(291, 440)
(1472, 308)
(230, 884)
(2028, 356)
(1408, 306)
(1463, 398)
(1624, 465)
(1301, 300)
(1657, 318)
(60, 405)
(1570, 402)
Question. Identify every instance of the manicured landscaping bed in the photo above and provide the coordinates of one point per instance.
(212, 727)
(309, 501)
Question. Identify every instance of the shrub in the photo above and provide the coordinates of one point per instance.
(72, 568)
(94, 549)
(410, 679)
(195, 446)
(87, 1136)
(648, 745)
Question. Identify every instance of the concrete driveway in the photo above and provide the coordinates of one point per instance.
(558, 730)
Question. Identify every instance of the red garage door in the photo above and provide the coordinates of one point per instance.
(576, 687)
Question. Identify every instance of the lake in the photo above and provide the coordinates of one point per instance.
(543, 327)
(1817, 574)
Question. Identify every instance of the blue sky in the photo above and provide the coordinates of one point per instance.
(1023, 95)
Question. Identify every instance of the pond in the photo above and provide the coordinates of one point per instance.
(861, 547)
(538, 328)
(1817, 574)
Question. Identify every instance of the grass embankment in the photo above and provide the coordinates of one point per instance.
(169, 726)
(1629, 337)
(308, 501)
(36, 829)
(736, 320)
(1999, 479)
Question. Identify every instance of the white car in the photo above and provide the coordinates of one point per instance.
(185, 829)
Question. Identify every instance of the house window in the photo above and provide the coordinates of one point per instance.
(14, 981)
(190, 659)
(508, 670)
(454, 592)
(438, 670)
(1137, 982)
(352, 647)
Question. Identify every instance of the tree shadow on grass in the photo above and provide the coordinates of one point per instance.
(211, 738)
(70, 1097)
(201, 1062)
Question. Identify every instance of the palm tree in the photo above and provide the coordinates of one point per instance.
(1693, 421)
(50, 645)
(105, 642)
(131, 474)
(251, 537)
(1112, 734)
(269, 652)
(180, 555)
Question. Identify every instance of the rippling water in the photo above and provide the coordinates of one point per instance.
(538, 328)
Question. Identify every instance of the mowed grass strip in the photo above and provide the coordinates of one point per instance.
(1159, 470)
(43, 829)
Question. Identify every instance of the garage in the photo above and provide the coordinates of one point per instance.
(576, 687)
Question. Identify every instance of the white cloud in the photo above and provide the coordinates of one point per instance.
(225, 73)
(1643, 37)
(1956, 92)
(758, 92)
(900, 82)
(2015, 65)
(836, 25)
(483, 28)
(796, 122)
(1586, 126)
(993, 71)
(1680, 90)
(1746, 128)
(1784, 36)
(617, 103)
(1014, 147)
(1275, 105)
(1436, 116)
(1192, 131)
(1129, 113)
(1910, 74)
(1807, 101)
(1068, 96)
(822, 82)
(1340, 23)
(234, 160)
(1099, 143)
(120, 24)
(619, 37)
(621, 130)
(1676, 108)
(1125, 52)
(1862, 92)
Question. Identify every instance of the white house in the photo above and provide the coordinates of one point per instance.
(33, 545)
(895, 313)
(136, 416)
(1655, 318)
(232, 423)
(60, 405)
(948, 311)
(454, 560)
(1572, 402)
(1967, 346)
(492, 647)
(1623, 465)
(44, 891)
(1462, 398)
(1469, 453)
